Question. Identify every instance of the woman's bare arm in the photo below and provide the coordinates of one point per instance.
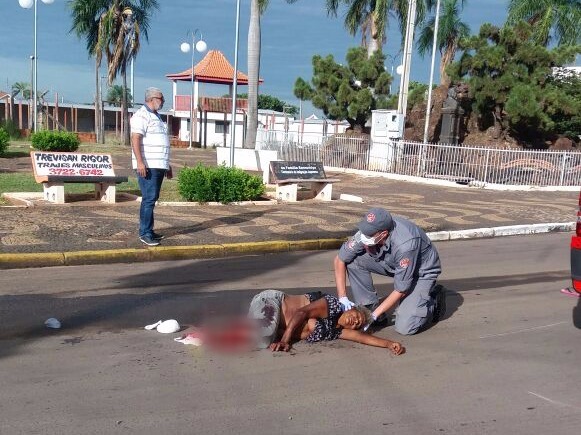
(317, 309)
(371, 340)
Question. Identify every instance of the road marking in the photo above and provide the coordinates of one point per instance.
(554, 402)
(522, 330)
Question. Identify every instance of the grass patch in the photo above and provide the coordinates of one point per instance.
(104, 149)
(17, 149)
(12, 153)
(18, 182)
(23, 182)
(22, 148)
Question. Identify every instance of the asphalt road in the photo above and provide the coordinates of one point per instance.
(505, 360)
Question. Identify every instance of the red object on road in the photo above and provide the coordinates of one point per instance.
(576, 252)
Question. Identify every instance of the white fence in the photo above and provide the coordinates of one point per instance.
(462, 164)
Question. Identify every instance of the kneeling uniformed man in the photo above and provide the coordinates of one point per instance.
(391, 246)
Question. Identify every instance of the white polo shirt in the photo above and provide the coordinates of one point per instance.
(155, 144)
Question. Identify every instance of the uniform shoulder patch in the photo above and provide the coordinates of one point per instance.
(404, 263)
(351, 243)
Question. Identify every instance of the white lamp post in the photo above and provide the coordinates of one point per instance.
(200, 46)
(235, 87)
(407, 58)
(27, 4)
(434, 46)
(392, 58)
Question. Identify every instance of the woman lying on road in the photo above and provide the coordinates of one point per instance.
(313, 317)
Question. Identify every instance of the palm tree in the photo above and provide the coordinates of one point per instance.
(371, 18)
(551, 19)
(115, 96)
(113, 27)
(86, 17)
(20, 88)
(450, 30)
(23, 89)
(257, 7)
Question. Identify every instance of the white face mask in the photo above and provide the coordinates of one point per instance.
(367, 241)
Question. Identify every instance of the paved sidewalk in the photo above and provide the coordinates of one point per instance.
(93, 226)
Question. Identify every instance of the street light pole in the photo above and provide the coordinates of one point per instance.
(30, 101)
(234, 87)
(407, 58)
(27, 4)
(102, 109)
(435, 42)
(392, 58)
(201, 47)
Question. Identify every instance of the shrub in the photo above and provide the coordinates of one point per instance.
(4, 139)
(55, 141)
(218, 184)
(11, 128)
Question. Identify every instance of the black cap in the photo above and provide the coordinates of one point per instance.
(375, 220)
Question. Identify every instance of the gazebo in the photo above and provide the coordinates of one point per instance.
(214, 68)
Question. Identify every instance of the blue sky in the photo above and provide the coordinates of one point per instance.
(291, 35)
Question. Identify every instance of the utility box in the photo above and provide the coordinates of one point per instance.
(386, 129)
(386, 124)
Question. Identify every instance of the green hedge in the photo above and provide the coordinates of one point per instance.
(11, 128)
(4, 139)
(55, 141)
(218, 184)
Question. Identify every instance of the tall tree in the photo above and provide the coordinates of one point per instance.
(348, 92)
(257, 7)
(451, 29)
(86, 19)
(509, 75)
(553, 20)
(113, 28)
(371, 18)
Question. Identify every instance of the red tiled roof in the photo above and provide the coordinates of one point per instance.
(3, 95)
(213, 68)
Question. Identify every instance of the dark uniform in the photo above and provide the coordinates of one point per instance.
(410, 258)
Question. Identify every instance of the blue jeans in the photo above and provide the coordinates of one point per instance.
(150, 185)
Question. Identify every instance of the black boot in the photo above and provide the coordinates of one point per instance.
(439, 295)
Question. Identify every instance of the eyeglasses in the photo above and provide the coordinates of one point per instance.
(159, 98)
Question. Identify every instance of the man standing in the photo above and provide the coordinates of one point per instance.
(150, 158)
(391, 246)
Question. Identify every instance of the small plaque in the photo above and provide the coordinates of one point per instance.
(297, 170)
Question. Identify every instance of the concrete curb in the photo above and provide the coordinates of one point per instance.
(165, 253)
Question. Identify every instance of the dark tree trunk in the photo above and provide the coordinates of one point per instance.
(497, 131)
